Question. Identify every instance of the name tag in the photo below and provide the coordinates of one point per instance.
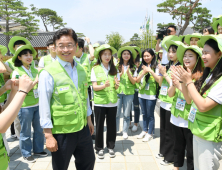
(36, 95)
(63, 88)
(180, 105)
(147, 87)
(163, 90)
(192, 114)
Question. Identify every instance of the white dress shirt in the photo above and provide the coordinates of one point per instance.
(45, 90)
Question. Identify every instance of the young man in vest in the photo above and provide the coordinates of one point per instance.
(87, 61)
(46, 60)
(65, 113)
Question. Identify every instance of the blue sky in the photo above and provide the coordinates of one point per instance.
(97, 18)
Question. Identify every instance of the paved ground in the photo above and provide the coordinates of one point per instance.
(131, 154)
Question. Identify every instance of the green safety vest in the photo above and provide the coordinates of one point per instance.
(183, 114)
(84, 61)
(125, 85)
(47, 59)
(152, 85)
(166, 98)
(2, 83)
(208, 125)
(30, 100)
(107, 95)
(4, 159)
(68, 105)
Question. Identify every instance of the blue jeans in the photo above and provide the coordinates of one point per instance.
(28, 116)
(147, 107)
(126, 101)
(135, 108)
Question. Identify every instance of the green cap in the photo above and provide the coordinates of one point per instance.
(216, 22)
(168, 38)
(127, 48)
(96, 45)
(161, 51)
(103, 47)
(199, 43)
(24, 47)
(171, 42)
(13, 40)
(181, 37)
(189, 36)
(182, 48)
(137, 49)
(217, 38)
(3, 50)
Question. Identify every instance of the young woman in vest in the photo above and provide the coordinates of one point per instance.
(166, 128)
(126, 90)
(204, 118)
(135, 103)
(191, 59)
(29, 113)
(159, 56)
(148, 79)
(105, 82)
(11, 109)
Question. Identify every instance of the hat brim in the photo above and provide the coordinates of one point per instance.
(13, 40)
(168, 38)
(138, 49)
(183, 48)
(103, 47)
(214, 25)
(171, 42)
(24, 47)
(96, 45)
(217, 38)
(3, 50)
(189, 36)
(127, 48)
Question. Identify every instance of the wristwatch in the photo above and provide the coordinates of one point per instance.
(89, 43)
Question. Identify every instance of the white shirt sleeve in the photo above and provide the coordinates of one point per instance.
(93, 76)
(135, 73)
(216, 93)
(41, 62)
(14, 74)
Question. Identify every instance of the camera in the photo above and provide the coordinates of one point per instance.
(162, 32)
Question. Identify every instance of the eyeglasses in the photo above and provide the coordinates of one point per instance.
(69, 47)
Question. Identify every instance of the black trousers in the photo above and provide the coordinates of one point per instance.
(183, 138)
(12, 129)
(90, 97)
(166, 135)
(78, 144)
(110, 114)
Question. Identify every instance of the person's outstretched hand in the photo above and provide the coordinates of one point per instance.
(25, 83)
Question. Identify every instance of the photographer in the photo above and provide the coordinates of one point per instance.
(171, 30)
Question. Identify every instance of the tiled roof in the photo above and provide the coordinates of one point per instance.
(36, 41)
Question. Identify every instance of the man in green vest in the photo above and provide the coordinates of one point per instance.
(46, 60)
(87, 61)
(65, 114)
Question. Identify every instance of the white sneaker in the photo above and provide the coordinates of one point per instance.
(135, 128)
(147, 137)
(141, 135)
(125, 135)
(130, 126)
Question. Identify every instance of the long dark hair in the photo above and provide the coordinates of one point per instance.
(174, 49)
(153, 62)
(112, 70)
(130, 63)
(216, 73)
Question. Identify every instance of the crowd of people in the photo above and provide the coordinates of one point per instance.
(55, 98)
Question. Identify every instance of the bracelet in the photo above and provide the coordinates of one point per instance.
(22, 91)
(188, 83)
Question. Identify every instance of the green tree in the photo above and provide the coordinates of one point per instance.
(14, 12)
(201, 18)
(56, 22)
(181, 10)
(115, 40)
(162, 26)
(135, 39)
(45, 14)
